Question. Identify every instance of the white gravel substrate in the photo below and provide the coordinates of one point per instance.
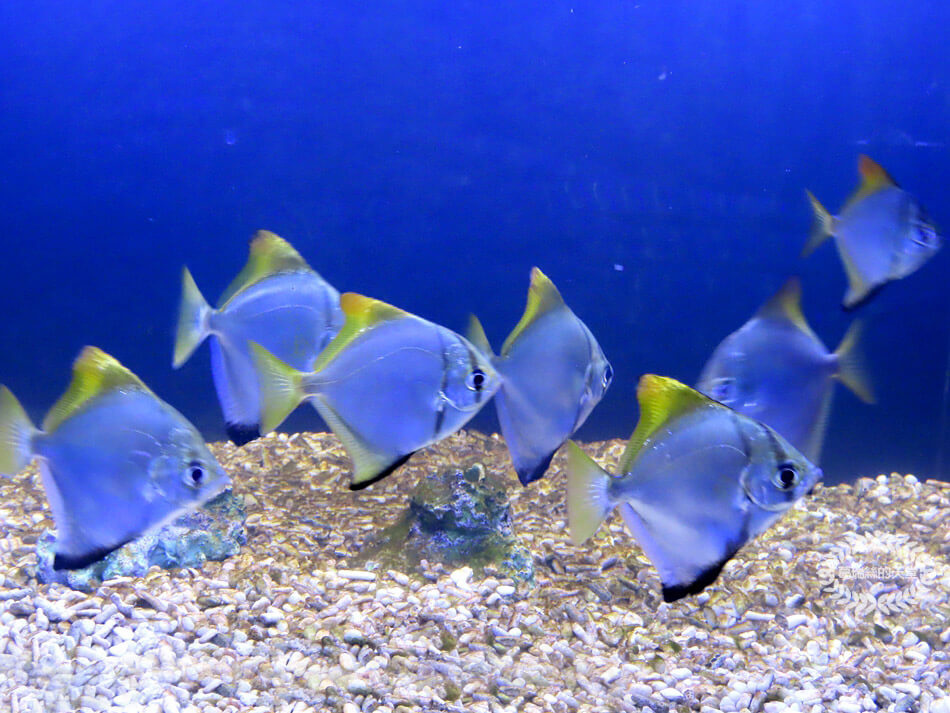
(841, 607)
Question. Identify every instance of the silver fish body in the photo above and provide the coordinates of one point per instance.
(777, 376)
(550, 384)
(693, 490)
(776, 370)
(406, 383)
(292, 315)
(553, 373)
(278, 301)
(389, 384)
(882, 233)
(706, 488)
(118, 465)
(886, 236)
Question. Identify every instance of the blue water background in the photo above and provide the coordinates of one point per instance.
(651, 157)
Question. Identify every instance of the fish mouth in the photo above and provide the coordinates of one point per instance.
(224, 482)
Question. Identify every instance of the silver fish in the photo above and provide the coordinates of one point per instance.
(389, 384)
(697, 482)
(278, 301)
(116, 461)
(776, 370)
(882, 233)
(553, 373)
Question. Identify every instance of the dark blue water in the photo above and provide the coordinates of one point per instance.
(651, 157)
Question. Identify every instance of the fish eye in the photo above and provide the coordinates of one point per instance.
(195, 474)
(608, 376)
(475, 380)
(723, 389)
(787, 476)
(926, 236)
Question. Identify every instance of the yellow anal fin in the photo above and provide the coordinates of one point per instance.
(858, 287)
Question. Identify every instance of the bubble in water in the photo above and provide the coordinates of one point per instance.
(230, 137)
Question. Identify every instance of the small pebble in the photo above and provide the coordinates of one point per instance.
(271, 616)
(671, 694)
(461, 577)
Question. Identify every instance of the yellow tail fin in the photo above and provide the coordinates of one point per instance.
(822, 228)
(193, 316)
(16, 434)
(281, 387)
(588, 503)
(852, 371)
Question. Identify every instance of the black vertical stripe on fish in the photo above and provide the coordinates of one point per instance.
(472, 368)
(327, 320)
(590, 360)
(746, 446)
(440, 411)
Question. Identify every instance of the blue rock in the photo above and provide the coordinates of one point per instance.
(213, 532)
(457, 518)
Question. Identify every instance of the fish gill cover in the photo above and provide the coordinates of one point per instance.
(651, 158)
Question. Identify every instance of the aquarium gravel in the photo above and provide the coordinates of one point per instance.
(840, 606)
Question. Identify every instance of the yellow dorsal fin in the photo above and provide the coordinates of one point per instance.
(476, 335)
(542, 297)
(94, 373)
(873, 179)
(269, 255)
(786, 304)
(361, 313)
(661, 400)
(873, 174)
